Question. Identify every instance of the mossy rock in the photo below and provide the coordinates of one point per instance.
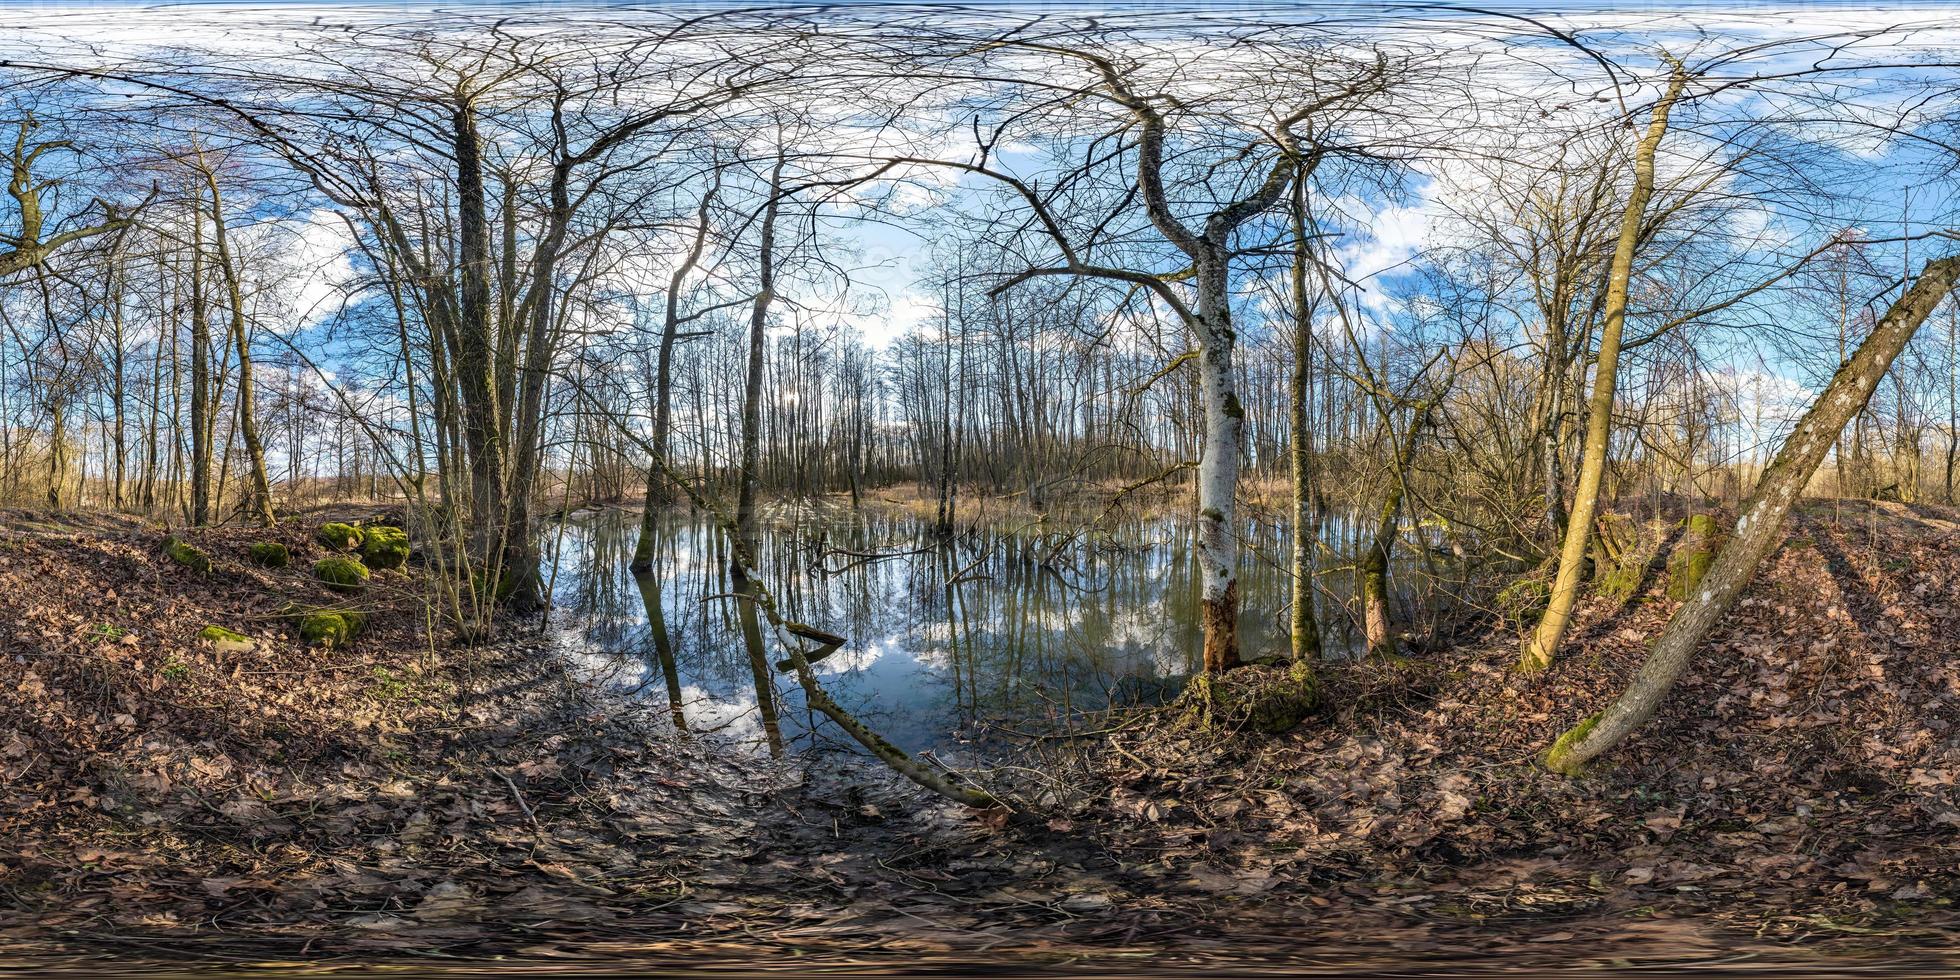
(329, 627)
(342, 573)
(383, 546)
(1273, 700)
(187, 555)
(227, 641)
(1620, 582)
(270, 554)
(338, 536)
(1692, 558)
(1685, 571)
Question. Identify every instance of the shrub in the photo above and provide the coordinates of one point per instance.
(270, 554)
(342, 573)
(187, 555)
(339, 537)
(383, 546)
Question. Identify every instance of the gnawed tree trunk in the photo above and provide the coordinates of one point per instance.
(1760, 528)
(1543, 645)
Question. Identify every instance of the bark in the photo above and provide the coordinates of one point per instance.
(1760, 528)
(201, 408)
(1303, 627)
(1543, 645)
(473, 357)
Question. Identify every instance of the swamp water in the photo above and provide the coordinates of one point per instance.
(1038, 628)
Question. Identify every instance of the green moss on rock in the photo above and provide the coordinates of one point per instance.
(227, 641)
(383, 546)
(187, 555)
(342, 573)
(270, 554)
(339, 537)
(329, 627)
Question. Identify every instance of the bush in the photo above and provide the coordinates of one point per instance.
(383, 546)
(342, 573)
(339, 537)
(187, 555)
(270, 554)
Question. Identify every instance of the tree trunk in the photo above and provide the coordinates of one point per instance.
(260, 502)
(1543, 645)
(1760, 528)
(1218, 466)
(745, 514)
(200, 376)
(658, 494)
(1304, 628)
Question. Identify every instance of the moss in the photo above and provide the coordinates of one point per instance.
(227, 641)
(1555, 757)
(342, 573)
(270, 554)
(338, 536)
(328, 627)
(383, 546)
(1701, 526)
(187, 555)
(1620, 582)
(1685, 571)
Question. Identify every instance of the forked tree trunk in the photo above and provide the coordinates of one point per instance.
(1760, 528)
(1543, 645)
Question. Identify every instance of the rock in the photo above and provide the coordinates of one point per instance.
(187, 555)
(328, 627)
(269, 554)
(225, 640)
(383, 546)
(338, 536)
(342, 573)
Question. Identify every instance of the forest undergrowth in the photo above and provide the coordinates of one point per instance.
(170, 796)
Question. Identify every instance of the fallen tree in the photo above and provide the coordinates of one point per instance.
(1758, 530)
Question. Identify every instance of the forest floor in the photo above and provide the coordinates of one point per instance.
(285, 807)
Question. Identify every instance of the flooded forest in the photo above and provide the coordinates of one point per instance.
(921, 488)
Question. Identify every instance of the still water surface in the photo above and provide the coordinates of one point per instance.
(1039, 626)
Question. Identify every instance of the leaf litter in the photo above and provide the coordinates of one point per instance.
(164, 798)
